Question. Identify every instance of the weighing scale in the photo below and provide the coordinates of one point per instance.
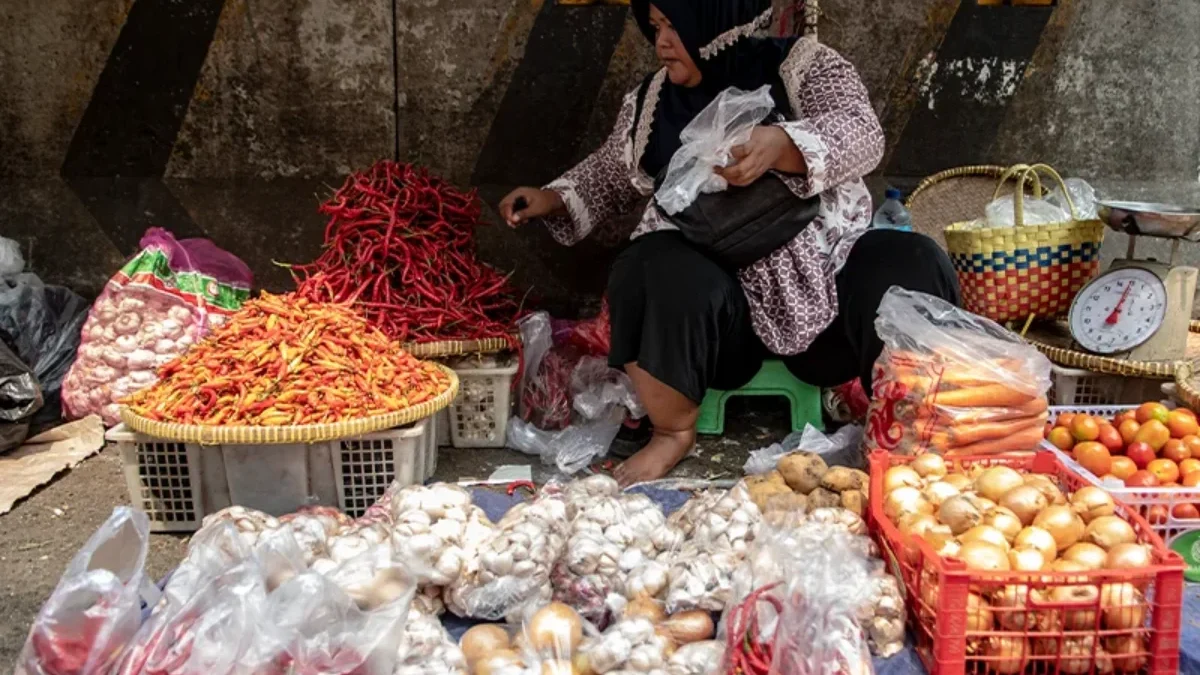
(1139, 310)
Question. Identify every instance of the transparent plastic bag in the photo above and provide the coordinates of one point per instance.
(536, 341)
(1001, 212)
(87, 623)
(843, 448)
(160, 303)
(951, 382)
(11, 260)
(1082, 197)
(706, 143)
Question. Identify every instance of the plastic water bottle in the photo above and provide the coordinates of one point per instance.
(892, 214)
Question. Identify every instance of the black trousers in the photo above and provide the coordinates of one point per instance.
(685, 320)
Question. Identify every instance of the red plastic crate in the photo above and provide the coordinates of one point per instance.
(1045, 635)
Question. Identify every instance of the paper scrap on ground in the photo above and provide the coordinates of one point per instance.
(40, 458)
(504, 475)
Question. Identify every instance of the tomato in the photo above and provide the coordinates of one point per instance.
(1185, 511)
(1193, 443)
(1187, 411)
(1123, 467)
(1061, 438)
(1064, 420)
(1122, 416)
(1154, 433)
(1085, 428)
(1157, 515)
(1093, 457)
(1141, 454)
(1175, 451)
(1182, 424)
(1191, 479)
(1110, 438)
(1128, 430)
(1142, 478)
(1046, 429)
(1165, 470)
(1151, 411)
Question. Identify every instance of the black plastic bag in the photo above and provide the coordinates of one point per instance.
(20, 398)
(42, 324)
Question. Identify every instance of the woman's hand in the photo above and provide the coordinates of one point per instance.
(768, 148)
(526, 203)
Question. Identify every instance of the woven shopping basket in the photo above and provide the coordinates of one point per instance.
(1015, 273)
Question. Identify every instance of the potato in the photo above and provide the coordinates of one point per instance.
(803, 471)
(792, 501)
(856, 501)
(763, 491)
(842, 478)
(772, 477)
(820, 498)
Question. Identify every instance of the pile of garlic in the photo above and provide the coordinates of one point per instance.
(628, 646)
(427, 649)
(436, 529)
(698, 658)
(249, 523)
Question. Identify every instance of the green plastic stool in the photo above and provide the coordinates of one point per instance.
(774, 379)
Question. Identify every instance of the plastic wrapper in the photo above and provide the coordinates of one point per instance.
(842, 448)
(20, 398)
(95, 610)
(601, 398)
(707, 142)
(11, 260)
(42, 325)
(160, 303)
(951, 382)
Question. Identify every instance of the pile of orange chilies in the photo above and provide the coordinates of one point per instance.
(286, 360)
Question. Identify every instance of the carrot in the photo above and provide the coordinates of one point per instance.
(953, 415)
(992, 395)
(1023, 441)
(987, 431)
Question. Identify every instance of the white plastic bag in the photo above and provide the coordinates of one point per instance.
(87, 624)
(707, 141)
(843, 448)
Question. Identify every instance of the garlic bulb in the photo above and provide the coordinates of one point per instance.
(429, 601)
(249, 523)
(436, 529)
(882, 618)
(701, 578)
(630, 645)
(356, 540)
(427, 649)
(374, 578)
(698, 658)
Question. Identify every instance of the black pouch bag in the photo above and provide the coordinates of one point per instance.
(742, 225)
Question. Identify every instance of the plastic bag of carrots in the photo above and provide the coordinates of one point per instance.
(953, 383)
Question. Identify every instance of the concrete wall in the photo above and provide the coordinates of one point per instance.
(232, 118)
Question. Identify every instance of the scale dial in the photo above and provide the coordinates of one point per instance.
(1119, 310)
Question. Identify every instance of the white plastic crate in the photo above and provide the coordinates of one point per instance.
(177, 484)
(479, 415)
(1078, 387)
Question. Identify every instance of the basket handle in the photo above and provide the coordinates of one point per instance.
(1025, 173)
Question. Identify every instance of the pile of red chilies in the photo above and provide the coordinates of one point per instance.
(744, 653)
(400, 245)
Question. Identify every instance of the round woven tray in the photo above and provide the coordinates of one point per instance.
(430, 350)
(952, 196)
(308, 433)
(1054, 340)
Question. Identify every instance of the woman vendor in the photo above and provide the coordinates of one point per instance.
(683, 321)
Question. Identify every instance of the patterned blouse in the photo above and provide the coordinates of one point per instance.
(791, 292)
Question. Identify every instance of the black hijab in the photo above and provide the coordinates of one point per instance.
(748, 63)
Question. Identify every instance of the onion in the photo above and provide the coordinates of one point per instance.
(1062, 523)
(646, 608)
(980, 555)
(917, 524)
(984, 505)
(1123, 605)
(1066, 566)
(1076, 656)
(1025, 501)
(1108, 531)
(1006, 654)
(1039, 539)
(959, 480)
(1127, 556)
(929, 465)
(498, 662)
(959, 514)
(1026, 560)
(555, 629)
(1128, 652)
(482, 641)
(1048, 487)
(691, 626)
(900, 476)
(1004, 520)
(986, 534)
(1009, 604)
(1091, 502)
(979, 615)
(995, 481)
(939, 492)
(904, 501)
(1076, 619)
(1089, 555)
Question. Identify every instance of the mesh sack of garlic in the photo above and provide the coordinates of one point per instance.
(513, 567)
(427, 649)
(611, 536)
(249, 524)
(438, 529)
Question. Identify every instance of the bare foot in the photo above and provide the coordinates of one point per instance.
(656, 460)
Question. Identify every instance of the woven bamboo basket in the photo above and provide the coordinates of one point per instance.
(1014, 273)
(308, 433)
(1054, 340)
(433, 350)
(952, 196)
(1186, 386)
